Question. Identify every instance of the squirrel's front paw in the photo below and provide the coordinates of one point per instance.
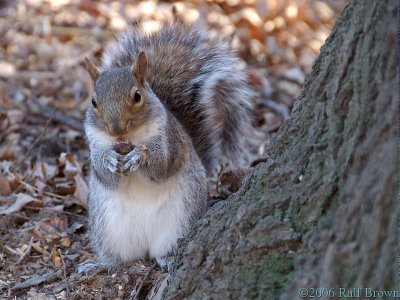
(134, 159)
(113, 161)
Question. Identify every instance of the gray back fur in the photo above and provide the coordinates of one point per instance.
(199, 79)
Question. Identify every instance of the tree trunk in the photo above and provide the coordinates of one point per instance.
(322, 212)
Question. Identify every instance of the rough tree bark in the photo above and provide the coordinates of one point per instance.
(323, 211)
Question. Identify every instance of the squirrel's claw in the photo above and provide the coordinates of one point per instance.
(132, 161)
(145, 152)
(113, 161)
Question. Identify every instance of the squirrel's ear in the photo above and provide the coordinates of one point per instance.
(92, 69)
(139, 69)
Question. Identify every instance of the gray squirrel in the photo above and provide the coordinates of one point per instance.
(167, 106)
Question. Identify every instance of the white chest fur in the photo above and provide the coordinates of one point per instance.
(143, 217)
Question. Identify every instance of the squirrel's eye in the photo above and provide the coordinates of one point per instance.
(94, 103)
(137, 97)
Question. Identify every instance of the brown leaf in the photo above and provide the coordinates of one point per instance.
(230, 181)
(8, 154)
(71, 167)
(65, 104)
(14, 181)
(60, 223)
(66, 242)
(4, 101)
(37, 296)
(5, 188)
(89, 7)
(55, 257)
(65, 188)
(52, 228)
(37, 234)
(82, 191)
(36, 246)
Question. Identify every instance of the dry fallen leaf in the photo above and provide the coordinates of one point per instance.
(82, 191)
(4, 101)
(70, 165)
(58, 223)
(44, 171)
(5, 188)
(56, 259)
(65, 188)
(20, 201)
(36, 246)
(37, 296)
(230, 181)
(66, 242)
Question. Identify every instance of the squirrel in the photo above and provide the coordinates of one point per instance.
(165, 106)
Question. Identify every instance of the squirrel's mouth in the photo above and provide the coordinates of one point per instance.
(121, 139)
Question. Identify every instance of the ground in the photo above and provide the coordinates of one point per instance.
(44, 91)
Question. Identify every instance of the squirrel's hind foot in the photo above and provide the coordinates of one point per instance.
(92, 268)
(166, 263)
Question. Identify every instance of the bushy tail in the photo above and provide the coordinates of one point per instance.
(226, 102)
(235, 99)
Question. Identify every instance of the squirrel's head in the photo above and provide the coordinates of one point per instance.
(120, 102)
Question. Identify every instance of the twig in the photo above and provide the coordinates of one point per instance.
(26, 252)
(78, 31)
(64, 271)
(53, 195)
(35, 280)
(53, 210)
(12, 251)
(44, 192)
(136, 295)
(37, 140)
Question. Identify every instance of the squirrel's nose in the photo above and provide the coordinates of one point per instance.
(116, 129)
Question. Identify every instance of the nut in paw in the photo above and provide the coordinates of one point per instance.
(123, 147)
